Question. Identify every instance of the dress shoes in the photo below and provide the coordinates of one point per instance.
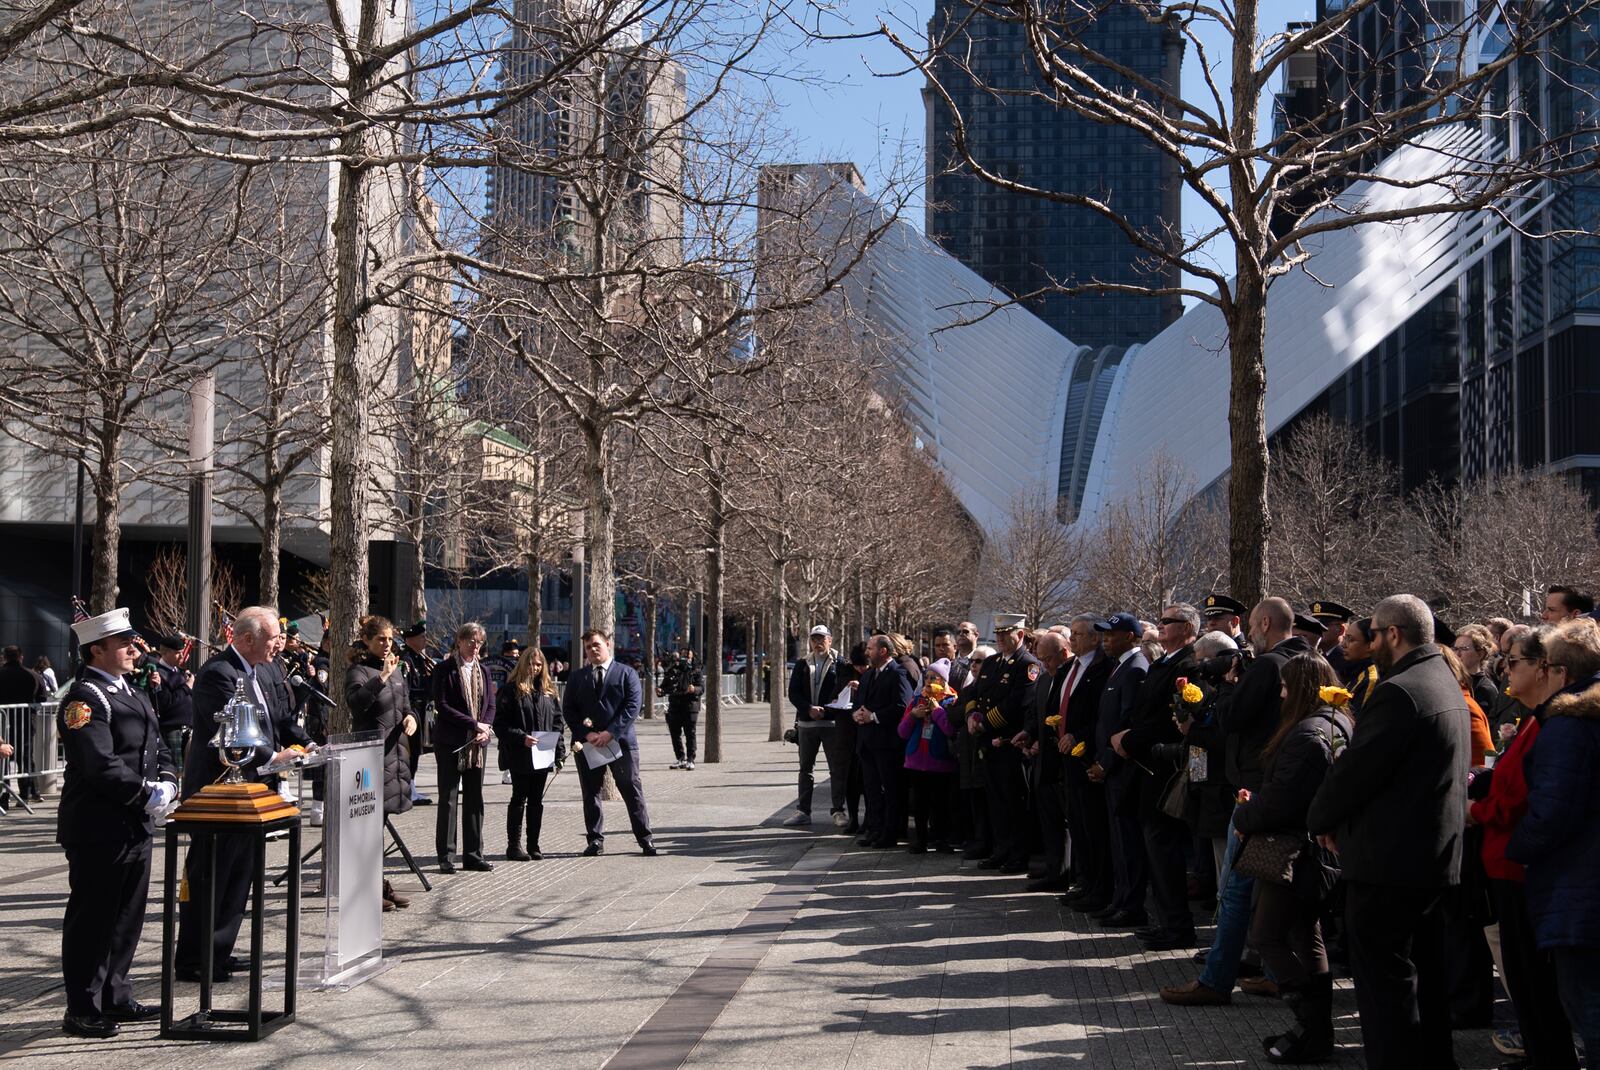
(446, 866)
(96, 1026)
(944, 847)
(515, 853)
(391, 895)
(1259, 986)
(1124, 919)
(592, 850)
(477, 865)
(867, 840)
(852, 828)
(1169, 940)
(536, 855)
(1014, 867)
(992, 862)
(648, 850)
(191, 974)
(1148, 931)
(1194, 994)
(1105, 912)
(133, 1011)
(916, 847)
(1046, 884)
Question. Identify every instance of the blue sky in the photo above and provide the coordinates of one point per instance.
(859, 112)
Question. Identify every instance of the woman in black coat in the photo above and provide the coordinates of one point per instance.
(375, 689)
(525, 704)
(1285, 926)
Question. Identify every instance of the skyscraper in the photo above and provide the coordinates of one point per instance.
(1022, 243)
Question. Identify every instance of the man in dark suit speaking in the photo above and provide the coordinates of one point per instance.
(601, 703)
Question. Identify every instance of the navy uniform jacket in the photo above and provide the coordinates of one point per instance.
(113, 746)
(1004, 693)
(213, 688)
(173, 698)
(612, 708)
(1117, 703)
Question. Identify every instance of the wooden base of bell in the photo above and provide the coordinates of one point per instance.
(245, 804)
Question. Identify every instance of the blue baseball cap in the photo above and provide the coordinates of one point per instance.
(1120, 622)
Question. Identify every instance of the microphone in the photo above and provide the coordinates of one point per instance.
(300, 681)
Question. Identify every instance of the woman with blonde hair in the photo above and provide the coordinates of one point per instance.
(525, 705)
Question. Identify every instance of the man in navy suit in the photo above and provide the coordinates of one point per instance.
(601, 703)
(1119, 641)
(882, 698)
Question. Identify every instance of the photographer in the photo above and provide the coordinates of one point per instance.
(683, 684)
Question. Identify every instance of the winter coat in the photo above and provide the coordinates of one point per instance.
(1559, 838)
(379, 705)
(1396, 801)
(930, 752)
(516, 717)
(1250, 715)
(1294, 773)
(1499, 812)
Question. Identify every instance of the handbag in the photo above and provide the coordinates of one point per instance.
(1175, 799)
(1270, 856)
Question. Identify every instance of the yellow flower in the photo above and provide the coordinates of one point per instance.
(1508, 692)
(1077, 752)
(1192, 694)
(1052, 720)
(1334, 696)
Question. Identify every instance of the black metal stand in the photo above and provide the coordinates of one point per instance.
(204, 1024)
(400, 845)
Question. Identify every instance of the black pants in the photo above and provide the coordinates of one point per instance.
(980, 833)
(625, 772)
(1287, 931)
(881, 769)
(930, 805)
(105, 914)
(1531, 982)
(1050, 803)
(683, 723)
(828, 741)
(1129, 873)
(527, 794)
(1166, 838)
(463, 787)
(1006, 792)
(1090, 823)
(1396, 940)
(232, 867)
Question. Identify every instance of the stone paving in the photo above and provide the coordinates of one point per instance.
(744, 945)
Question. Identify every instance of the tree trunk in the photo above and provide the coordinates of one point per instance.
(776, 632)
(647, 636)
(599, 534)
(350, 421)
(716, 536)
(750, 658)
(535, 598)
(271, 540)
(417, 595)
(107, 536)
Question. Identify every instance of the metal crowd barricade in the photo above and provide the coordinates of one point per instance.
(36, 755)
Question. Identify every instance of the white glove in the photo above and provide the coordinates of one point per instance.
(162, 793)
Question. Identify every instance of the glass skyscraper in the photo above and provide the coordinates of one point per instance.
(1021, 243)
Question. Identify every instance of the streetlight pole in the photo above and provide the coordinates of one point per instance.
(202, 428)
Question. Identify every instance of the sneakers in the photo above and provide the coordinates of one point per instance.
(799, 820)
(1508, 1042)
(840, 820)
(677, 764)
(689, 766)
(505, 778)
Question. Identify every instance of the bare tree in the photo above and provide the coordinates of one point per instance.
(1274, 196)
(1139, 558)
(1030, 565)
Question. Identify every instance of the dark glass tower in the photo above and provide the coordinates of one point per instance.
(1022, 243)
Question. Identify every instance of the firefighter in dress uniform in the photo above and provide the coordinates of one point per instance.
(119, 776)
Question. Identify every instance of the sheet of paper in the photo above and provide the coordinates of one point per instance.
(594, 757)
(846, 699)
(544, 749)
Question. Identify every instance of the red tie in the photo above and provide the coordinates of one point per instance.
(1066, 696)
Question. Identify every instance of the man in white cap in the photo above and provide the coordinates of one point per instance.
(119, 775)
(816, 682)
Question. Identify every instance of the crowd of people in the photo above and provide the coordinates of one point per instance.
(1416, 804)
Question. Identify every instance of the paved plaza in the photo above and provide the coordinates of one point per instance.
(743, 945)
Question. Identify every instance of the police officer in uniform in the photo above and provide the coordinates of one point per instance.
(994, 715)
(1227, 615)
(1336, 620)
(173, 694)
(119, 775)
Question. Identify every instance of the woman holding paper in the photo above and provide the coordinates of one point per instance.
(528, 725)
(375, 689)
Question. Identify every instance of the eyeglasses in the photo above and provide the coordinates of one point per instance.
(1519, 661)
(1165, 621)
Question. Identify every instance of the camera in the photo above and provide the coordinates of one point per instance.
(1217, 668)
